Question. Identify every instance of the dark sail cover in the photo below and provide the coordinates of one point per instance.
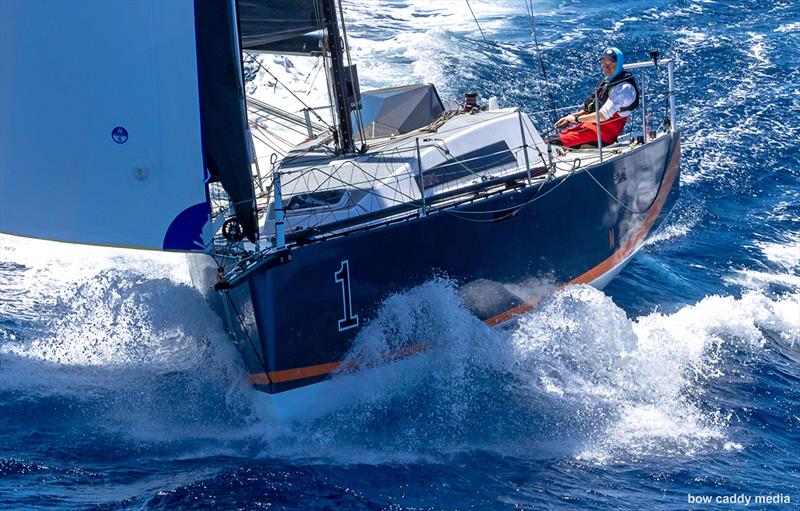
(279, 26)
(222, 114)
(397, 110)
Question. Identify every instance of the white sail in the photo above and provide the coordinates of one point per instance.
(100, 135)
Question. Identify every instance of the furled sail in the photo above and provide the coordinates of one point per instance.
(280, 26)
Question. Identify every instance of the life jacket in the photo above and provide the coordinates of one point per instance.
(604, 89)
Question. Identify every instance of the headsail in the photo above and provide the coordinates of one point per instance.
(100, 134)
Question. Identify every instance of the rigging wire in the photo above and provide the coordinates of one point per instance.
(262, 66)
(311, 78)
(273, 120)
(277, 145)
(548, 88)
(357, 111)
(264, 141)
(476, 22)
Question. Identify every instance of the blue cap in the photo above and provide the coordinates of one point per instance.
(614, 55)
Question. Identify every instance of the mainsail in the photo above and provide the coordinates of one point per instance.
(280, 26)
(305, 27)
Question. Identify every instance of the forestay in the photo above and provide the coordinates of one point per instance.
(114, 156)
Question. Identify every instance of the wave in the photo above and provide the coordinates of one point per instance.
(779, 267)
(145, 359)
(785, 253)
(574, 375)
(140, 357)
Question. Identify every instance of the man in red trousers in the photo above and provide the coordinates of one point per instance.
(617, 95)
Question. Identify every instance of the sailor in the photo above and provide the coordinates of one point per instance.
(617, 95)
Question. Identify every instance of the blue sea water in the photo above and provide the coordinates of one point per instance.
(118, 388)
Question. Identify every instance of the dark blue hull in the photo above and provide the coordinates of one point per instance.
(308, 305)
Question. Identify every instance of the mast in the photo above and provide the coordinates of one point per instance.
(338, 80)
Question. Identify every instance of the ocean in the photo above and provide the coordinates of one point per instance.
(677, 387)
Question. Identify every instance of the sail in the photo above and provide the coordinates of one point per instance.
(226, 137)
(114, 116)
(279, 26)
(100, 138)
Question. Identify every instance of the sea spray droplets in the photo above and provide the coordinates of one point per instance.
(144, 356)
(575, 371)
(625, 388)
(406, 407)
(582, 360)
(121, 318)
(677, 357)
(430, 315)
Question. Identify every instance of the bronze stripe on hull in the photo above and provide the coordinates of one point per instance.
(620, 254)
(298, 373)
(301, 373)
(633, 242)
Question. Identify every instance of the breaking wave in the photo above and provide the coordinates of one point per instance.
(145, 359)
(574, 372)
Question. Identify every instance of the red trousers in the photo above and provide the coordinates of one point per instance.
(586, 132)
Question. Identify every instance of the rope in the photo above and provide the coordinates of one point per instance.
(625, 206)
(513, 210)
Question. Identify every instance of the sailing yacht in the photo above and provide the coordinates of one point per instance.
(399, 188)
